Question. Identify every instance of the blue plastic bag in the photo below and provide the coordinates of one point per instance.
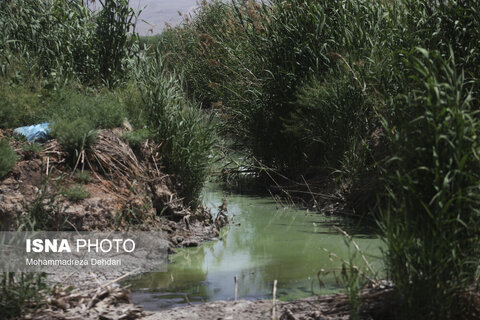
(35, 133)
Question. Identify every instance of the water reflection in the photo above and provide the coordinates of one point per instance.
(263, 244)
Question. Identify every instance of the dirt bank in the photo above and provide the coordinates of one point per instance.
(109, 187)
(375, 306)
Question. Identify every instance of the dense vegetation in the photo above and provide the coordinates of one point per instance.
(82, 71)
(20, 290)
(379, 96)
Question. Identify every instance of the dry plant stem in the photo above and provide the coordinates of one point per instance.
(96, 175)
(310, 191)
(72, 225)
(236, 287)
(96, 278)
(274, 302)
(48, 165)
(76, 164)
(113, 281)
(356, 247)
(155, 163)
(321, 195)
(188, 300)
(83, 160)
(362, 86)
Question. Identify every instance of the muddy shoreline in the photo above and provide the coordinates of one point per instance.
(375, 305)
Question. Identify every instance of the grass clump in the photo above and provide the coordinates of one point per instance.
(76, 117)
(75, 136)
(19, 290)
(75, 193)
(83, 177)
(137, 137)
(32, 148)
(8, 157)
(130, 97)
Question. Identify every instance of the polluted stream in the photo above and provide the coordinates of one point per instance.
(264, 242)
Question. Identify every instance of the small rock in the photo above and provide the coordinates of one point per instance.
(177, 239)
(190, 243)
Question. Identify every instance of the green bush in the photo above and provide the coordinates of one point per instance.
(135, 138)
(114, 23)
(218, 64)
(340, 106)
(75, 193)
(188, 140)
(50, 41)
(432, 219)
(75, 117)
(8, 158)
(101, 111)
(74, 136)
(41, 210)
(19, 106)
(130, 98)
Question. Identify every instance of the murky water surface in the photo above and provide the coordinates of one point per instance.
(264, 243)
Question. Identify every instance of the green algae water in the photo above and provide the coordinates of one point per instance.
(263, 243)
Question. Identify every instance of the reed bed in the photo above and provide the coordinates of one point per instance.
(379, 96)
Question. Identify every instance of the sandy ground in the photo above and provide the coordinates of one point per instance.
(227, 310)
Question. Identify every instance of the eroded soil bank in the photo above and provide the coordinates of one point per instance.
(118, 189)
(122, 189)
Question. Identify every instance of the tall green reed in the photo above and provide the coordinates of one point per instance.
(431, 220)
(306, 85)
(64, 41)
(185, 133)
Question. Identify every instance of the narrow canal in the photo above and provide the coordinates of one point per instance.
(263, 243)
